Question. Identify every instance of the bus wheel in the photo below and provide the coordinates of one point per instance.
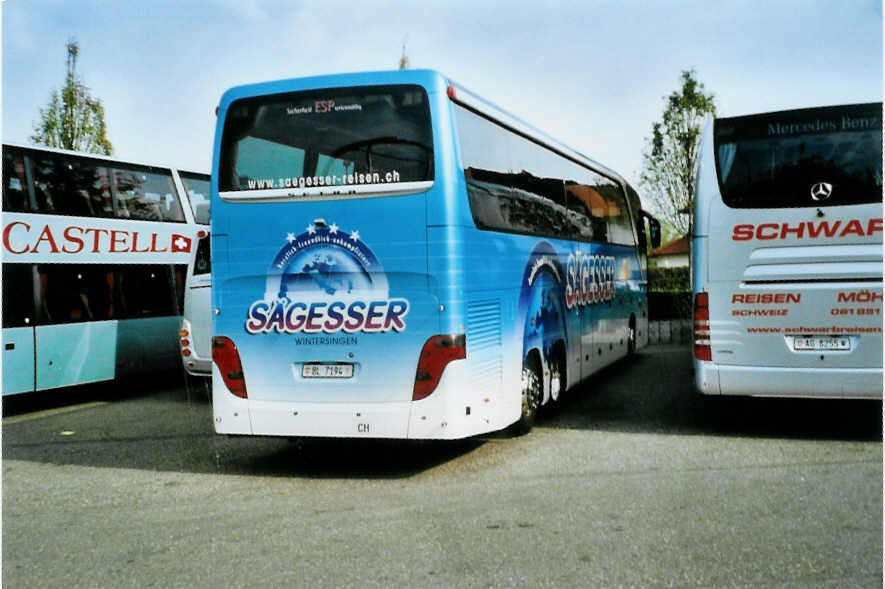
(557, 376)
(531, 396)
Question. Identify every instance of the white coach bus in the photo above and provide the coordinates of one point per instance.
(787, 254)
(94, 252)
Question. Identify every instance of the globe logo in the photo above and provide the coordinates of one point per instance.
(325, 261)
(330, 270)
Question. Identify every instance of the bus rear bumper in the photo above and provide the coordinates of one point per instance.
(238, 416)
(442, 415)
(839, 383)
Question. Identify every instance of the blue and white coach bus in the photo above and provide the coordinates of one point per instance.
(94, 253)
(787, 254)
(394, 257)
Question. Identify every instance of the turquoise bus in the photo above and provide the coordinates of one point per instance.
(395, 257)
(94, 254)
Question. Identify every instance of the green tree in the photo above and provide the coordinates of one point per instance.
(671, 154)
(73, 119)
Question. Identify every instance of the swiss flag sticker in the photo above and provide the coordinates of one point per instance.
(180, 243)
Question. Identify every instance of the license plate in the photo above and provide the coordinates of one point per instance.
(327, 371)
(821, 344)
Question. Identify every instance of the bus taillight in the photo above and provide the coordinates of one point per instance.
(437, 352)
(702, 350)
(227, 358)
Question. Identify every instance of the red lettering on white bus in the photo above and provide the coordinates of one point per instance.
(809, 229)
(154, 245)
(854, 227)
(7, 230)
(760, 228)
(97, 232)
(46, 235)
(118, 237)
(72, 239)
(814, 231)
(135, 244)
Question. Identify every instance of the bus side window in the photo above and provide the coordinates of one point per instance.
(15, 185)
(18, 295)
(48, 184)
(197, 188)
(580, 202)
(145, 195)
(67, 185)
(620, 229)
(66, 293)
(91, 182)
(145, 291)
(202, 260)
(598, 211)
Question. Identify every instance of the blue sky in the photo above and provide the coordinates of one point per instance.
(592, 74)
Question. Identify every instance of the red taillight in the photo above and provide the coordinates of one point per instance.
(450, 91)
(227, 358)
(185, 343)
(437, 352)
(185, 352)
(702, 350)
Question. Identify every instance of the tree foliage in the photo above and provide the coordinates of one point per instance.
(670, 156)
(73, 119)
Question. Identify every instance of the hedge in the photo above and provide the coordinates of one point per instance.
(669, 279)
(669, 305)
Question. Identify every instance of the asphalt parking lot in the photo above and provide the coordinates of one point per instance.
(631, 481)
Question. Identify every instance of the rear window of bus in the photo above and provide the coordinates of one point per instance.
(817, 157)
(334, 137)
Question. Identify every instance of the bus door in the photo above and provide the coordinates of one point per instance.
(18, 328)
(75, 342)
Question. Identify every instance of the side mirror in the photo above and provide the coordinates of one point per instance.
(654, 227)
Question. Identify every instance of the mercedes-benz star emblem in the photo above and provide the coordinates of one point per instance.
(821, 191)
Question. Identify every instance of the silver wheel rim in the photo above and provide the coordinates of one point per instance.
(531, 390)
(555, 380)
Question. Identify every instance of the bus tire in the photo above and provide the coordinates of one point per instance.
(531, 395)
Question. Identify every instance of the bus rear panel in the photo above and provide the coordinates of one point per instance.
(787, 248)
(328, 303)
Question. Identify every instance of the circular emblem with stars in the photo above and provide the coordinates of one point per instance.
(325, 260)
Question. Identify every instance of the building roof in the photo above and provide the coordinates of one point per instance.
(674, 248)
